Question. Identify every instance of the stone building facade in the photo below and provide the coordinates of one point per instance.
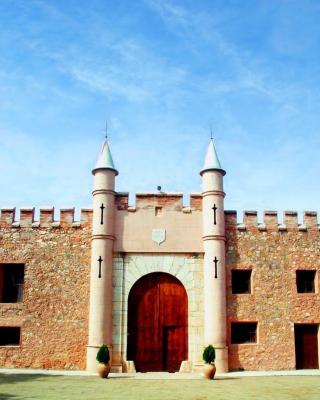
(158, 281)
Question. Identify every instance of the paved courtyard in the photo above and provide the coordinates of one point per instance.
(49, 385)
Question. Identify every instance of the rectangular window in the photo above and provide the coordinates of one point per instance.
(243, 332)
(305, 281)
(11, 283)
(9, 336)
(241, 281)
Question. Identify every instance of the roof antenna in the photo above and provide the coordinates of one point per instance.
(106, 129)
(211, 134)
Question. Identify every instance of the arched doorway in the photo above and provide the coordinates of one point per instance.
(157, 323)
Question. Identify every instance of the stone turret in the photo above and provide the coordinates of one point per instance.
(215, 329)
(100, 314)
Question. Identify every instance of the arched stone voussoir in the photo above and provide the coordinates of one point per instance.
(139, 266)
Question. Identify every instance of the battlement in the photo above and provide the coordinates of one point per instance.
(46, 219)
(160, 202)
(271, 223)
(170, 201)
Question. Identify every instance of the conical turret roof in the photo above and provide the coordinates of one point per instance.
(105, 160)
(211, 162)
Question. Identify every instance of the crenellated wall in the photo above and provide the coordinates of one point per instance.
(56, 254)
(53, 315)
(46, 220)
(134, 225)
(273, 252)
(157, 204)
(271, 222)
(169, 201)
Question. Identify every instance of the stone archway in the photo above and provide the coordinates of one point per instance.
(157, 323)
(128, 269)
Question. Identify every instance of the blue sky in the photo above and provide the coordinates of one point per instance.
(161, 72)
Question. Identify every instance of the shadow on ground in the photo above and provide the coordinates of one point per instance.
(17, 378)
(7, 396)
(222, 378)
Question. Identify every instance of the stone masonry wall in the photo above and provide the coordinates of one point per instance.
(273, 252)
(53, 315)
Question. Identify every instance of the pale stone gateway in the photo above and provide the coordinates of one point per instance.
(136, 266)
(79, 284)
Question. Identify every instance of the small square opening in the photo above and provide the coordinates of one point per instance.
(241, 281)
(305, 281)
(243, 332)
(9, 336)
(158, 210)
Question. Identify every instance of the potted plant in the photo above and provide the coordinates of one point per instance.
(209, 355)
(103, 358)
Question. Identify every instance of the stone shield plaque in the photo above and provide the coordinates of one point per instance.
(158, 235)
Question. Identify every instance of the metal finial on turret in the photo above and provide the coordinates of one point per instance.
(211, 134)
(105, 160)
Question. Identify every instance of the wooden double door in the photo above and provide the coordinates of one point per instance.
(157, 323)
(306, 346)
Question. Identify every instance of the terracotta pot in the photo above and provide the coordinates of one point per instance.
(103, 370)
(209, 371)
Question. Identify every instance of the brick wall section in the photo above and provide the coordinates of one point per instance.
(122, 200)
(171, 201)
(54, 313)
(274, 255)
(196, 201)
